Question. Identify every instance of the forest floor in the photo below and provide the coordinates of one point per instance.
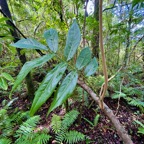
(103, 132)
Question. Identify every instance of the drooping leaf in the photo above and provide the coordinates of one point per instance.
(47, 87)
(65, 90)
(91, 67)
(83, 58)
(73, 40)
(51, 37)
(7, 76)
(3, 83)
(28, 66)
(29, 43)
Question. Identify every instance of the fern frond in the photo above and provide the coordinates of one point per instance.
(42, 138)
(74, 137)
(27, 126)
(56, 123)
(137, 103)
(61, 135)
(69, 118)
(5, 141)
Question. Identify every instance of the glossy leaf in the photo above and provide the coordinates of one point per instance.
(91, 67)
(73, 40)
(28, 66)
(29, 43)
(7, 76)
(3, 83)
(65, 90)
(83, 58)
(51, 37)
(47, 87)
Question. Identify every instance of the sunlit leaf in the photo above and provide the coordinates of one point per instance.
(73, 40)
(7, 76)
(65, 90)
(47, 86)
(28, 66)
(83, 58)
(51, 37)
(3, 83)
(29, 43)
(91, 67)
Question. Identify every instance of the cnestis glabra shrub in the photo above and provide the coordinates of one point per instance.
(49, 84)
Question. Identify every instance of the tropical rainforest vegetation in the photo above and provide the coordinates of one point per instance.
(71, 71)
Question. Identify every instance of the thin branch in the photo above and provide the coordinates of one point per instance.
(109, 113)
(134, 47)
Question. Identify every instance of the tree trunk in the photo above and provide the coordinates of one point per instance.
(95, 38)
(22, 57)
(109, 113)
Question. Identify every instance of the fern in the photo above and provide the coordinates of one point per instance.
(74, 137)
(25, 134)
(6, 126)
(141, 128)
(28, 126)
(69, 118)
(56, 123)
(5, 141)
(60, 127)
(61, 135)
(42, 138)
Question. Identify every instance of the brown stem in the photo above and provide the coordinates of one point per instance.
(109, 113)
(104, 88)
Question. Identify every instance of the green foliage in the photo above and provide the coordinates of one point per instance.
(56, 123)
(28, 66)
(29, 43)
(95, 122)
(73, 40)
(74, 137)
(96, 119)
(131, 101)
(48, 86)
(66, 88)
(4, 77)
(84, 58)
(91, 67)
(141, 128)
(132, 91)
(60, 127)
(51, 37)
(6, 126)
(26, 134)
(5, 141)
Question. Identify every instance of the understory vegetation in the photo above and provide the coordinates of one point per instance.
(71, 72)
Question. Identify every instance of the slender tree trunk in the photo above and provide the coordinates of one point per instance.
(126, 57)
(22, 57)
(95, 39)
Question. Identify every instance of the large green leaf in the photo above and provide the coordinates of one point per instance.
(65, 90)
(28, 66)
(91, 67)
(3, 83)
(73, 40)
(51, 37)
(83, 58)
(29, 43)
(47, 87)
